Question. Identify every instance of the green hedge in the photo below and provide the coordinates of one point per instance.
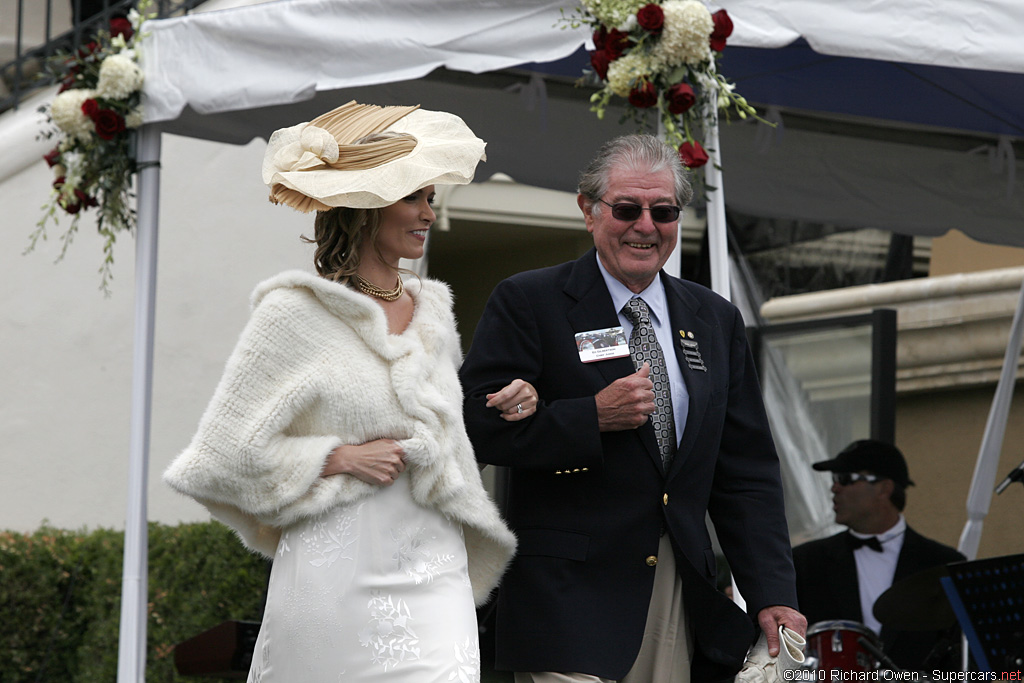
(60, 596)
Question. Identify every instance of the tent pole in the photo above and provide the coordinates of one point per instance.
(131, 653)
(718, 246)
(674, 264)
(980, 497)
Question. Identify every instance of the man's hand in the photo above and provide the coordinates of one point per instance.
(771, 617)
(627, 402)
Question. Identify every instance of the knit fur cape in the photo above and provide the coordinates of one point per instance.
(316, 368)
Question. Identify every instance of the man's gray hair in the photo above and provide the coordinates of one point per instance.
(638, 152)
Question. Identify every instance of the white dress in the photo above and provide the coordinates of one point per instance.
(375, 591)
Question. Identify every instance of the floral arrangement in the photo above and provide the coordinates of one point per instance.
(93, 119)
(660, 56)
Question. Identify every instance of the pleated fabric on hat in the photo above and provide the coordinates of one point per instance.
(365, 156)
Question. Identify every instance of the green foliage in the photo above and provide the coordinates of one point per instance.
(61, 597)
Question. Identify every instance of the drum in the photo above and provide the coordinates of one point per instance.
(836, 646)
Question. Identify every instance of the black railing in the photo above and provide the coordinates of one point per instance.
(24, 74)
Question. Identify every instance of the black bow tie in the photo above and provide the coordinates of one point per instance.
(857, 542)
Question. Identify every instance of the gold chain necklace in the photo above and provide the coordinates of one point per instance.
(367, 287)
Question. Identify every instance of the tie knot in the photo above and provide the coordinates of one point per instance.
(637, 312)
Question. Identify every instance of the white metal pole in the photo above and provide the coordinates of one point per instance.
(673, 266)
(980, 497)
(131, 653)
(718, 244)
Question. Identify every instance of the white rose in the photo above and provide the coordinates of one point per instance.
(684, 36)
(66, 112)
(624, 71)
(119, 77)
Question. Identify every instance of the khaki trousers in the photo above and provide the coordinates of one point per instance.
(664, 655)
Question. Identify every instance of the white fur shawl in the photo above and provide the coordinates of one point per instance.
(316, 368)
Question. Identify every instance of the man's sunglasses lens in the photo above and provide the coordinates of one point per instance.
(847, 478)
(659, 214)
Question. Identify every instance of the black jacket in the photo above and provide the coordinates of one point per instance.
(589, 508)
(826, 576)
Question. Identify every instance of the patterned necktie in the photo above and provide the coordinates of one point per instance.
(644, 346)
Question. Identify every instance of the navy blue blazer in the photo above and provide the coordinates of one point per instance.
(589, 508)
(827, 586)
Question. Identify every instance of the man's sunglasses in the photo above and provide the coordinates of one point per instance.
(847, 478)
(627, 211)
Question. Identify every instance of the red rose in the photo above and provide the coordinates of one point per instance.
(680, 98)
(119, 26)
(651, 18)
(723, 29)
(644, 95)
(88, 49)
(600, 60)
(600, 38)
(65, 203)
(616, 43)
(82, 200)
(52, 157)
(692, 154)
(90, 108)
(108, 123)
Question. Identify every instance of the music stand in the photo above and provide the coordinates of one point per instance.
(987, 597)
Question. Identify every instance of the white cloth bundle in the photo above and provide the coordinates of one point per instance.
(760, 667)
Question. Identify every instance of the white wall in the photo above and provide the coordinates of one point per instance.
(65, 350)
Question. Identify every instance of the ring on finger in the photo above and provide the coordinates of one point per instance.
(519, 407)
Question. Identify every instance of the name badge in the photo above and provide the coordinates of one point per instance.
(602, 344)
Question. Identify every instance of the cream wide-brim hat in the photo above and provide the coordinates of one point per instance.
(316, 166)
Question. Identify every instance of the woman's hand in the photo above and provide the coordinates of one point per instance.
(516, 401)
(376, 462)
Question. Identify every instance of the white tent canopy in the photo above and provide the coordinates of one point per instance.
(240, 73)
(236, 74)
(285, 51)
(982, 34)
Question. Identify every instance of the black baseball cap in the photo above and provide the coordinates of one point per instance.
(869, 455)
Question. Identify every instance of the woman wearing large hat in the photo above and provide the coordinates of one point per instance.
(334, 442)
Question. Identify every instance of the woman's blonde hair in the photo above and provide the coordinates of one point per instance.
(339, 235)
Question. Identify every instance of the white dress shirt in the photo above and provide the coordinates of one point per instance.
(654, 297)
(875, 570)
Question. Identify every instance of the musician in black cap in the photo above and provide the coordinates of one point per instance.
(842, 576)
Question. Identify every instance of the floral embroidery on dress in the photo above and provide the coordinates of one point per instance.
(467, 658)
(256, 672)
(414, 555)
(389, 634)
(282, 545)
(328, 545)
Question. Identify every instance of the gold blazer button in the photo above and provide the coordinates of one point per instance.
(664, 499)
(652, 560)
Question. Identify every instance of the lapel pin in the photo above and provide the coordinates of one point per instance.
(691, 351)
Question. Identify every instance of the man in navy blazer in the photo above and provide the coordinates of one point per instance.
(614, 579)
(842, 576)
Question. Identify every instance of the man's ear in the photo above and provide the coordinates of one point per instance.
(584, 205)
(886, 487)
